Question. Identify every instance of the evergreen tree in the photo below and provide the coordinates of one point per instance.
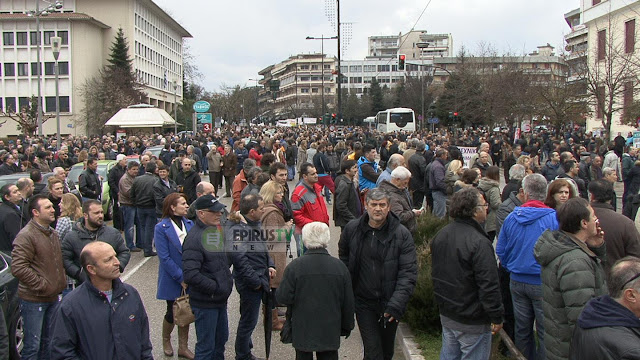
(377, 98)
(119, 58)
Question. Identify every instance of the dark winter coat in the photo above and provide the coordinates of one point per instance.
(188, 182)
(318, 287)
(346, 204)
(511, 186)
(606, 330)
(90, 185)
(206, 270)
(620, 234)
(550, 171)
(418, 167)
(251, 252)
(113, 179)
(141, 192)
(10, 225)
(399, 205)
(505, 209)
(399, 267)
(465, 275)
(572, 274)
(87, 326)
(161, 191)
(79, 236)
(436, 175)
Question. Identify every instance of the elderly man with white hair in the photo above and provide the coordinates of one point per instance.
(317, 289)
(394, 161)
(400, 201)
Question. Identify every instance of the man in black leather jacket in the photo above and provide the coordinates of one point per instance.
(89, 183)
(143, 197)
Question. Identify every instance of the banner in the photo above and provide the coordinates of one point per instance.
(467, 154)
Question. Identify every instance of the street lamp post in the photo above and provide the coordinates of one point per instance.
(322, 39)
(56, 42)
(37, 13)
(175, 107)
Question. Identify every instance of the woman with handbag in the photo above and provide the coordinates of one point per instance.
(277, 230)
(169, 236)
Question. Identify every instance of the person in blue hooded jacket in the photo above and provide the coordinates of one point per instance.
(368, 168)
(519, 233)
(608, 327)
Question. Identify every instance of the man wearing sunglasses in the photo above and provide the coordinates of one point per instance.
(608, 327)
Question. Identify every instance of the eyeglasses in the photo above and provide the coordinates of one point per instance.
(630, 280)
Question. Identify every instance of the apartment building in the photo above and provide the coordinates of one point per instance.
(611, 32)
(304, 79)
(416, 45)
(87, 28)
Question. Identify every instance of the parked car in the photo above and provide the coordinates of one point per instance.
(11, 307)
(155, 150)
(13, 178)
(103, 169)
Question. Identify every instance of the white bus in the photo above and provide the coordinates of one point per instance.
(397, 119)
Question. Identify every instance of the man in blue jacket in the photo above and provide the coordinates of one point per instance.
(518, 236)
(118, 327)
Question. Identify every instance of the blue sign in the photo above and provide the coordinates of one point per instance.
(201, 106)
(433, 120)
(204, 118)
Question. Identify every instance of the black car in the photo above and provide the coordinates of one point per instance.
(10, 306)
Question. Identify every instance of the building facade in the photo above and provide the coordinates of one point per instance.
(87, 28)
(611, 36)
(304, 80)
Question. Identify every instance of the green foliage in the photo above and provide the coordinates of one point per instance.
(422, 312)
(377, 97)
(119, 58)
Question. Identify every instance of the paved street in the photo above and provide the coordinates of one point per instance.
(142, 274)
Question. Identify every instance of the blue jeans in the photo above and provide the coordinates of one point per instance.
(300, 248)
(291, 172)
(439, 203)
(527, 307)
(37, 318)
(250, 301)
(128, 217)
(147, 221)
(459, 345)
(212, 332)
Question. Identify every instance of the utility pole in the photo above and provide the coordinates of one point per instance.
(339, 67)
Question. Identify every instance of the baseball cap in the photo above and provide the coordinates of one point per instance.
(121, 157)
(209, 202)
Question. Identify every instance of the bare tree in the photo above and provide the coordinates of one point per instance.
(27, 117)
(610, 74)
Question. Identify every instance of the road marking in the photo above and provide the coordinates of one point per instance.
(133, 271)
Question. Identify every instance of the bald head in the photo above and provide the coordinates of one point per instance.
(204, 188)
(97, 256)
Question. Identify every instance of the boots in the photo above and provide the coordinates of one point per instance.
(167, 329)
(276, 322)
(183, 342)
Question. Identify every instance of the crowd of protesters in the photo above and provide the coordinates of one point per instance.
(554, 225)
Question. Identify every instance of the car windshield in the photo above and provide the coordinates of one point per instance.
(75, 172)
(401, 118)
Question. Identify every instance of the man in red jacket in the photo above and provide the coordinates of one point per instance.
(307, 202)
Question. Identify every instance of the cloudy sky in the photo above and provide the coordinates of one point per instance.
(233, 40)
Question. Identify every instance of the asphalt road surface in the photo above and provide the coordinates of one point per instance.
(142, 273)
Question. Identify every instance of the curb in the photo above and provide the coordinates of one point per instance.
(406, 341)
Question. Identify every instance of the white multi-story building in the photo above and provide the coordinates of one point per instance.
(611, 31)
(416, 45)
(88, 29)
(357, 74)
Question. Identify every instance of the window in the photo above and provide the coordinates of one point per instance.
(314, 67)
(23, 69)
(344, 69)
(34, 69)
(327, 66)
(304, 67)
(304, 90)
(595, 2)
(64, 35)
(304, 78)
(327, 90)
(7, 38)
(629, 36)
(383, 68)
(355, 68)
(314, 90)
(64, 104)
(1, 104)
(63, 68)
(35, 38)
(47, 37)
(23, 102)
(602, 42)
(369, 68)
(49, 68)
(394, 67)
(22, 38)
(9, 69)
(355, 80)
(10, 103)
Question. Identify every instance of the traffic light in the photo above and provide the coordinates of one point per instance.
(401, 59)
(333, 118)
